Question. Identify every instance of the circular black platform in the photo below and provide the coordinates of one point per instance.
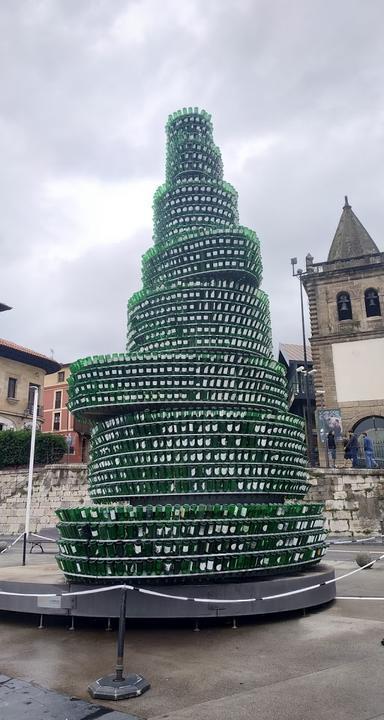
(141, 605)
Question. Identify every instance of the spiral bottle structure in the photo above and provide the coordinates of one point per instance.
(196, 468)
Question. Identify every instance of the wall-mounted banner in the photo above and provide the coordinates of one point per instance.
(329, 420)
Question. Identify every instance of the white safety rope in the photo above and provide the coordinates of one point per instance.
(184, 598)
(11, 544)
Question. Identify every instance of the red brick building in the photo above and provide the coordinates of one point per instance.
(58, 419)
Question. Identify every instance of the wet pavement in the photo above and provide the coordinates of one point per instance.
(20, 700)
(326, 663)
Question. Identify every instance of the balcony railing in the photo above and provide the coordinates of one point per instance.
(378, 451)
(297, 388)
(82, 428)
(29, 410)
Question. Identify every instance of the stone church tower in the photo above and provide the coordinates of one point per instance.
(346, 305)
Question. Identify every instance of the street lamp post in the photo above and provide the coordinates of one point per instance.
(308, 414)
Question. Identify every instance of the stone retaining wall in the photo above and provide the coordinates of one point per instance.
(353, 499)
(54, 486)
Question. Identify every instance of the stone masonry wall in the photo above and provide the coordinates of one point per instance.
(353, 499)
(54, 486)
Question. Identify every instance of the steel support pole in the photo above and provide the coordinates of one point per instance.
(119, 686)
(120, 638)
(30, 473)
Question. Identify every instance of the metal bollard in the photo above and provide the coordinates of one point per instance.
(116, 686)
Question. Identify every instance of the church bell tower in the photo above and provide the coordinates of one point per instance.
(346, 306)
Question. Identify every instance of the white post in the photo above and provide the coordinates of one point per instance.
(30, 470)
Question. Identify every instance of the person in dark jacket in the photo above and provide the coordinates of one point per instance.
(331, 445)
(353, 447)
(347, 452)
(370, 460)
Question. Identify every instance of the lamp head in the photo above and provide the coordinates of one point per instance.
(293, 263)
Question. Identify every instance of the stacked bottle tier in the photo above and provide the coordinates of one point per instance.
(191, 150)
(196, 156)
(190, 204)
(197, 316)
(194, 122)
(116, 384)
(186, 542)
(234, 254)
(176, 455)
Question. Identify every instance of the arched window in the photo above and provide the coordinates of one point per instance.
(374, 423)
(372, 302)
(344, 307)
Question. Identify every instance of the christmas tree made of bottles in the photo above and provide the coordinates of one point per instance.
(196, 468)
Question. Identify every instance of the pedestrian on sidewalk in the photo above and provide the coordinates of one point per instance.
(347, 452)
(331, 445)
(369, 452)
(353, 447)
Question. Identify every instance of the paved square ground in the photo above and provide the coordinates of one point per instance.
(326, 664)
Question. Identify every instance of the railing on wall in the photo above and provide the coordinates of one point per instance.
(378, 448)
(29, 410)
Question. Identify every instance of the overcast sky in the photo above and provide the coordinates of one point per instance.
(295, 89)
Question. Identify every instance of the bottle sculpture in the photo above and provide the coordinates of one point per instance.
(196, 468)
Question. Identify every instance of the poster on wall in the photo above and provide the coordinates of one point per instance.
(329, 420)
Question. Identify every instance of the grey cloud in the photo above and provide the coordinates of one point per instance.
(81, 309)
(80, 101)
